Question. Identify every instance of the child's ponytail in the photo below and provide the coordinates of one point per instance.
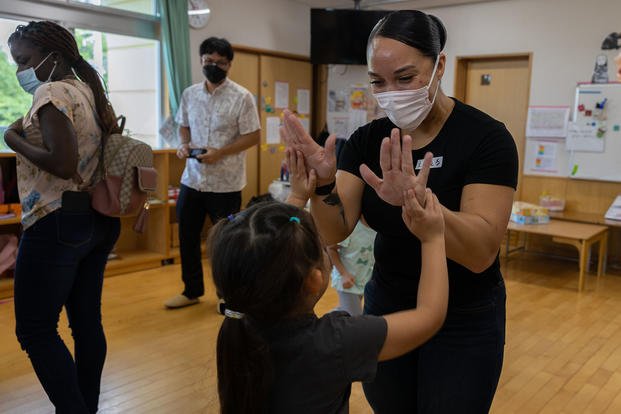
(245, 371)
(259, 259)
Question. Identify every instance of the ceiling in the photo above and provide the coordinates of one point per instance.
(389, 4)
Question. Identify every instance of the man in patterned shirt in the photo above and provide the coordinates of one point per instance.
(219, 118)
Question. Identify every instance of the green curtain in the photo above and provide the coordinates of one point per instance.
(176, 45)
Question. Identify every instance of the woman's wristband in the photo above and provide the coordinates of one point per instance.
(325, 189)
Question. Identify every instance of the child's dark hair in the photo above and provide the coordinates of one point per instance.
(50, 37)
(259, 259)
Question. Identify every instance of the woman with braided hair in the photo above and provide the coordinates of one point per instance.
(65, 244)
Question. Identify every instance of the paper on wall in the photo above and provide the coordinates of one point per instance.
(338, 125)
(545, 157)
(303, 101)
(583, 138)
(272, 130)
(547, 121)
(282, 94)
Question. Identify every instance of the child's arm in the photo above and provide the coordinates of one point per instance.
(335, 258)
(302, 182)
(410, 329)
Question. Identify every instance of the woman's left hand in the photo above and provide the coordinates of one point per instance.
(10, 138)
(17, 126)
(398, 173)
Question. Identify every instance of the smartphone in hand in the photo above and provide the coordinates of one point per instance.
(196, 151)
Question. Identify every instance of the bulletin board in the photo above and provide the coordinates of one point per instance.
(599, 157)
(591, 148)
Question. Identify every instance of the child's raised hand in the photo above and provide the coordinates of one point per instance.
(426, 222)
(302, 181)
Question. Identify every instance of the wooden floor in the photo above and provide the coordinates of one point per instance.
(562, 353)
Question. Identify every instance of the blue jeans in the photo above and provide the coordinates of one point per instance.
(192, 208)
(61, 262)
(456, 371)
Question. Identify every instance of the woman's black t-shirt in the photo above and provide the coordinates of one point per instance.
(471, 148)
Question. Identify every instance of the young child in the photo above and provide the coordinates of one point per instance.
(274, 354)
(352, 267)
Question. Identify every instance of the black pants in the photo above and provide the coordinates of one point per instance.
(192, 208)
(456, 371)
(60, 263)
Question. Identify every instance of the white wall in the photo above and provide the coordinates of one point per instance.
(278, 25)
(564, 36)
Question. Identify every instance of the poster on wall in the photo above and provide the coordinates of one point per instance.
(547, 121)
(348, 109)
(338, 125)
(543, 157)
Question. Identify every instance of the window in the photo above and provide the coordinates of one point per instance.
(121, 42)
(137, 6)
(14, 102)
(130, 67)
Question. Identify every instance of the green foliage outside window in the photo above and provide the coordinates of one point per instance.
(14, 102)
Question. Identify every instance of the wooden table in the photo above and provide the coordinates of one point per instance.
(580, 235)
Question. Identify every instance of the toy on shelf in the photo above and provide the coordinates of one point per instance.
(527, 213)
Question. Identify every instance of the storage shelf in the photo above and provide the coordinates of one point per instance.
(135, 251)
(12, 220)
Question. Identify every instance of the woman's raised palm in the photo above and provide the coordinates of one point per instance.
(398, 173)
(322, 160)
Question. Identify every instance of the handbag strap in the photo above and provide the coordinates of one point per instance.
(104, 139)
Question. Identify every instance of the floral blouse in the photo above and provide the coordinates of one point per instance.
(215, 120)
(39, 191)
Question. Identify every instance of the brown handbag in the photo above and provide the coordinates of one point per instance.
(124, 178)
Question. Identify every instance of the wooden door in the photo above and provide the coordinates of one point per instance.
(298, 75)
(245, 71)
(500, 87)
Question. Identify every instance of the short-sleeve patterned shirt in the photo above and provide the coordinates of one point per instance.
(39, 191)
(356, 254)
(216, 120)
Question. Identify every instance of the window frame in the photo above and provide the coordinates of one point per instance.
(97, 18)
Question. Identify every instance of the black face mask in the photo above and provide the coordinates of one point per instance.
(213, 73)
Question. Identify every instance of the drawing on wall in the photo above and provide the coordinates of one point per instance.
(358, 98)
(336, 101)
(545, 158)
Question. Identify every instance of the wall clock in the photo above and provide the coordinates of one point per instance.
(198, 13)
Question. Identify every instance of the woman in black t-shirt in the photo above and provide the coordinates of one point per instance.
(470, 161)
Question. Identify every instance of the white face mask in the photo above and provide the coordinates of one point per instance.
(408, 109)
(28, 80)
